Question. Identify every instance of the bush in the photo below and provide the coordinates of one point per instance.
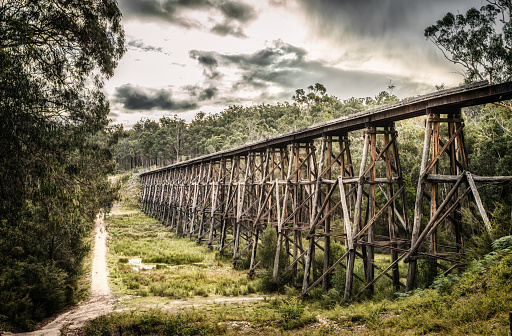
(152, 323)
(292, 314)
(30, 292)
(502, 243)
(266, 254)
(267, 248)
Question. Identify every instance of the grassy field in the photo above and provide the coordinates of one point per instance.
(146, 260)
(181, 288)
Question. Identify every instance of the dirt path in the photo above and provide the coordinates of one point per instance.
(102, 301)
(101, 298)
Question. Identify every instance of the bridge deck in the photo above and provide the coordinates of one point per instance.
(445, 101)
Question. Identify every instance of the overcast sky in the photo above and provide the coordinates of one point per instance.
(186, 56)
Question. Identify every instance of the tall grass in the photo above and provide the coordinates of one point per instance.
(153, 323)
(476, 302)
(181, 267)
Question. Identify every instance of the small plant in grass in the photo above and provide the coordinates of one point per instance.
(292, 314)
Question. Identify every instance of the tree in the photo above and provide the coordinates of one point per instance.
(54, 58)
(475, 41)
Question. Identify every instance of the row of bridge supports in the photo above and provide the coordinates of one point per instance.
(313, 196)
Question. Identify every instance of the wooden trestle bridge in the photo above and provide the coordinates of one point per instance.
(305, 185)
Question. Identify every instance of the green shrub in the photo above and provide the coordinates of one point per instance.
(150, 323)
(266, 252)
(30, 292)
(292, 314)
(502, 243)
(443, 283)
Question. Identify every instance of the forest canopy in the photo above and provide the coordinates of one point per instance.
(54, 159)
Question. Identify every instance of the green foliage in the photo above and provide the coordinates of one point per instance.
(489, 144)
(443, 284)
(490, 140)
(55, 149)
(151, 323)
(502, 243)
(31, 291)
(474, 41)
(293, 314)
(266, 252)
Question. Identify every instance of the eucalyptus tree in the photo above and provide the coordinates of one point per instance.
(54, 57)
(480, 41)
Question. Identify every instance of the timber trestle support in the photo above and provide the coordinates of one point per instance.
(327, 210)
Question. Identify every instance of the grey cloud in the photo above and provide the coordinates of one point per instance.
(150, 9)
(204, 58)
(208, 93)
(279, 55)
(287, 67)
(194, 3)
(202, 93)
(237, 10)
(275, 64)
(378, 17)
(224, 29)
(208, 61)
(136, 98)
(382, 30)
(138, 44)
(235, 14)
(192, 89)
(277, 3)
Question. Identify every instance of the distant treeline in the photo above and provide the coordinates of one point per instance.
(170, 140)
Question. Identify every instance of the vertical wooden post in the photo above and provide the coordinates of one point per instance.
(186, 206)
(261, 205)
(327, 226)
(351, 257)
(281, 213)
(224, 219)
(171, 200)
(455, 170)
(313, 210)
(206, 193)
(370, 254)
(392, 227)
(432, 263)
(213, 207)
(242, 190)
(411, 274)
(194, 202)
